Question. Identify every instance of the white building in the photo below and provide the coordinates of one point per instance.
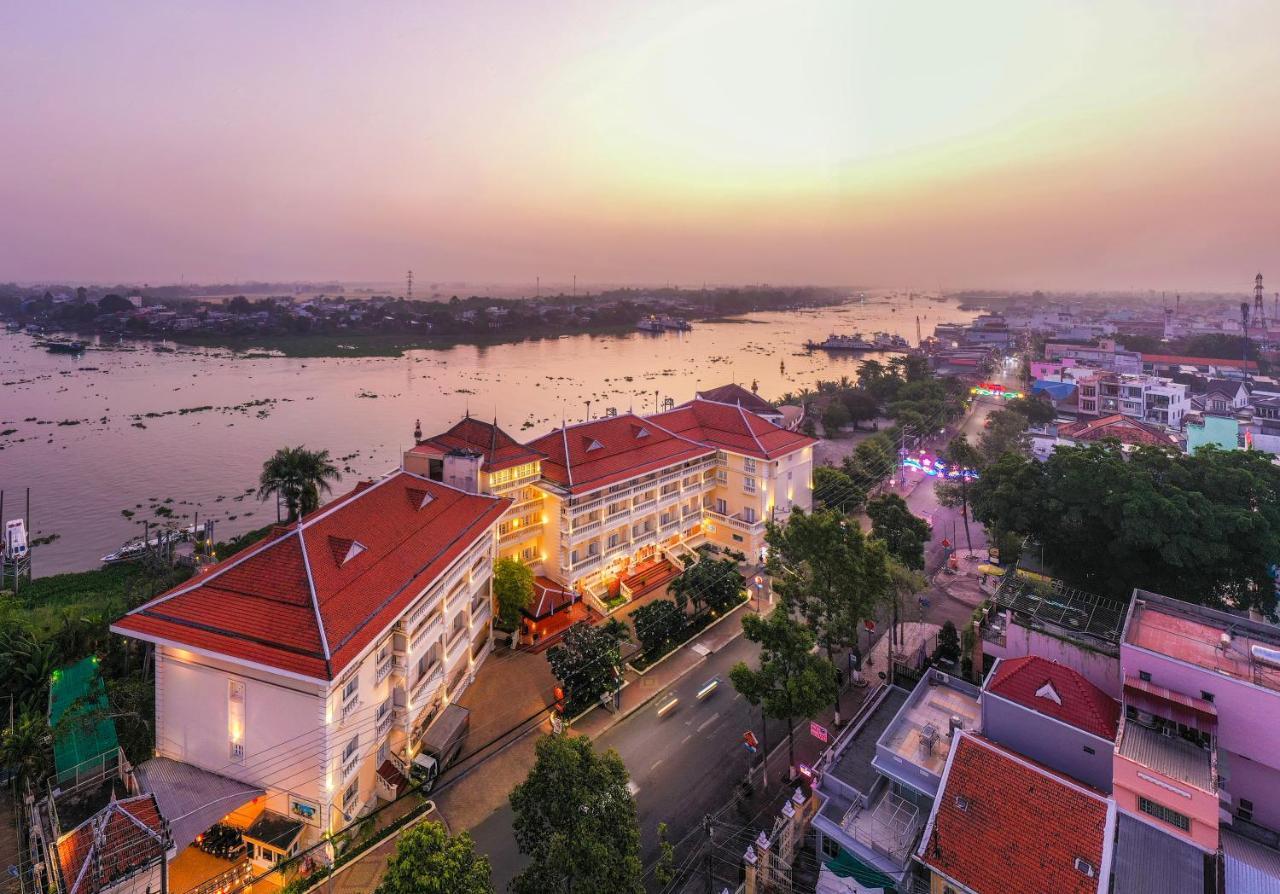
(305, 664)
(1148, 398)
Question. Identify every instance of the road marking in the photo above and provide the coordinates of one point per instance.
(686, 738)
(738, 696)
(710, 720)
(654, 765)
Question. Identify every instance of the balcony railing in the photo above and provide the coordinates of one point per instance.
(431, 630)
(384, 723)
(350, 765)
(518, 533)
(480, 618)
(394, 664)
(733, 521)
(434, 674)
(587, 526)
(457, 647)
(644, 504)
(587, 562)
(350, 708)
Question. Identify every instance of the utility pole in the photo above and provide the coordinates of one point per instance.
(408, 287)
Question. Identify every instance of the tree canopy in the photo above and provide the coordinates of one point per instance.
(834, 489)
(297, 476)
(715, 584)
(903, 533)
(588, 662)
(576, 820)
(513, 588)
(428, 860)
(1204, 528)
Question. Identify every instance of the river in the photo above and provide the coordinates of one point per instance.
(102, 440)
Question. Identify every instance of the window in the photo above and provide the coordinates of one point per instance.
(1144, 676)
(350, 795)
(349, 691)
(250, 850)
(1088, 750)
(235, 719)
(749, 465)
(1164, 814)
(722, 507)
(1207, 696)
(749, 515)
(1244, 810)
(722, 476)
(749, 485)
(351, 748)
(830, 847)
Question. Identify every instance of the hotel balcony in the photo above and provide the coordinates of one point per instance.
(384, 723)
(521, 533)
(644, 504)
(481, 618)
(457, 647)
(395, 664)
(734, 521)
(456, 598)
(429, 633)
(587, 562)
(427, 683)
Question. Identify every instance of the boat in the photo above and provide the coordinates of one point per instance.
(64, 347)
(836, 342)
(13, 326)
(884, 341)
(663, 323)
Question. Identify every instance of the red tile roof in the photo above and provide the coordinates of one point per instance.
(731, 427)
(1080, 703)
(1002, 823)
(499, 449)
(739, 396)
(549, 597)
(591, 455)
(1118, 426)
(132, 838)
(291, 603)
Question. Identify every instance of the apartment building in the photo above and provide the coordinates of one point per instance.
(1106, 354)
(306, 665)
(1142, 397)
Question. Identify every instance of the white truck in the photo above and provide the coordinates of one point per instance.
(440, 745)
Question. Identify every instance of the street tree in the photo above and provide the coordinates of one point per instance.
(576, 821)
(513, 589)
(834, 489)
(961, 455)
(428, 860)
(903, 533)
(872, 461)
(862, 405)
(834, 418)
(791, 682)
(588, 662)
(715, 584)
(829, 574)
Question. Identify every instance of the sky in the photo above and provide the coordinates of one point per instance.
(1021, 144)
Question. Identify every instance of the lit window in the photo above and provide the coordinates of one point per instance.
(235, 718)
(349, 691)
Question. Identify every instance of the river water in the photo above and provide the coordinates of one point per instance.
(102, 434)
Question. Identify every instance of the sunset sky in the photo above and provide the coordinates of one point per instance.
(907, 144)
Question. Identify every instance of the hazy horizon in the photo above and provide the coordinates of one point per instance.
(1015, 145)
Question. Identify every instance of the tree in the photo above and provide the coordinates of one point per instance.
(576, 821)
(791, 682)
(296, 476)
(861, 405)
(657, 625)
(513, 588)
(113, 304)
(948, 647)
(1037, 411)
(826, 571)
(714, 583)
(903, 534)
(588, 662)
(834, 418)
(1002, 435)
(664, 871)
(428, 860)
(1203, 528)
(834, 489)
(960, 454)
(24, 747)
(872, 461)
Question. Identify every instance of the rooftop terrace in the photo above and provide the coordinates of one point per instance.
(1195, 634)
(914, 747)
(1055, 604)
(852, 764)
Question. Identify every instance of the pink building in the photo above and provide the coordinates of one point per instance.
(1202, 706)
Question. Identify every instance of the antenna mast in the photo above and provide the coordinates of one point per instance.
(408, 285)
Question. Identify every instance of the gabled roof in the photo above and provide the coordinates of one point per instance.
(1228, 388)
(739, 396)
(1056, 691)
(499, 449)
(117, 841)
(1001, 820)
(591, 455)
(304, 600)
(1123, 428)
(731, 427)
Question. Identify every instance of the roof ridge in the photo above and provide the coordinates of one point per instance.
(568, 465)
(751, 431)
(315, 603)
(1032, 765)
(676, 435)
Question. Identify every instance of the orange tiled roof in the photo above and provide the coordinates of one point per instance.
(601, 452)
(311, 596)
(132, 838)
(737, 395)
(1118, 426)
(499, 449)
(731, 427)
(1002, 822)
(1080, 703)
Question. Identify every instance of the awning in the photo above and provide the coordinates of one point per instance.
(1192, 712)
(191, 799)
(549, 597)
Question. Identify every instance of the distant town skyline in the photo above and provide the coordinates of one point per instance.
(1093, 145)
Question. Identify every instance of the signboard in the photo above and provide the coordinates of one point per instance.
(750, 742)
(818, 731)
(870, 625)
(305, 810)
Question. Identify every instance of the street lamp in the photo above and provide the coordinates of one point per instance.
(759, 592)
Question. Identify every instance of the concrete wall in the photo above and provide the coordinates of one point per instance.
(1248, 718)
(1131, 780)
(1099, 669)
(1049, 741)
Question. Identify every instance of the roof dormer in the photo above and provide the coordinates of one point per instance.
(344, 549)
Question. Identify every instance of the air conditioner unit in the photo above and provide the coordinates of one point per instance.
(940, 678)
(1084, 866)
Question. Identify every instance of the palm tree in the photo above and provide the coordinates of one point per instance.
(296, 476)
